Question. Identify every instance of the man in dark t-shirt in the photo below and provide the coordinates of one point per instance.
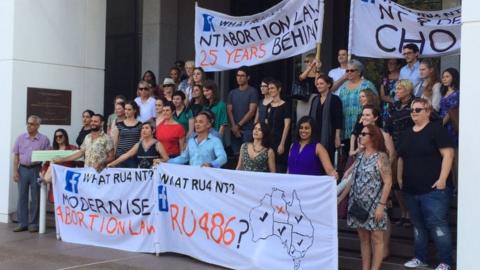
(424, 166)
(241, 109)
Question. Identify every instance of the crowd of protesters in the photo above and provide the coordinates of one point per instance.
(402, 138)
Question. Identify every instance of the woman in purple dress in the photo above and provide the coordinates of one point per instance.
(307, 156)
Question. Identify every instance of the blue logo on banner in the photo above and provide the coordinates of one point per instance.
(162, 199)
(71, 181)
(207, 23)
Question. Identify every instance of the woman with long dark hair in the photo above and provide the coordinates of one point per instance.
(197, 103)
(86, 119)
(266, 100)
(450, 102)
(257, 156)
(307, 156)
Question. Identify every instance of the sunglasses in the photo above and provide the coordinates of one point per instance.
(350, 70)
(363, 134)
(143, 88)
(59, 136)
(417, 110)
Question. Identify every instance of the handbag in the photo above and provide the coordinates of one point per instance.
(357, 210)
(299, 91)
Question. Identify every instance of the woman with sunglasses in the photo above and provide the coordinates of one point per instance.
(425, 160)
(349, 93)
(369, 189)
(148, 152)
(60, 142)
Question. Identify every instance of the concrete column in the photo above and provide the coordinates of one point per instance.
(468, 238)
(159, 36)
(53, 44)
(450, 60)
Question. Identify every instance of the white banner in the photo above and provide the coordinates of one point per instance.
(236, 219)
(224, 42)
(380, 28)
(114, 208)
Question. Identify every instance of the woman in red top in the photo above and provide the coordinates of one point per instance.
(170, 133)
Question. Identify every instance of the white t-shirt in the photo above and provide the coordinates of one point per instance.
(336, 74)
(147, 109)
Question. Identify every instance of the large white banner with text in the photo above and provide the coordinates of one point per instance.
(236, 219)
(224, 42)
(380, 28)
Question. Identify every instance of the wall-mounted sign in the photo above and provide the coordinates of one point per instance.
(53, 106)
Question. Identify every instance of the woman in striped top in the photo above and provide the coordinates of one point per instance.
(127, 133)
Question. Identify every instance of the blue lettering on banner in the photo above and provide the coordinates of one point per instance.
(71, 181)
(208, 23)
(162, 198)
(371, 1)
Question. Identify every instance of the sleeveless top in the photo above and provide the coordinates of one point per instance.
(145, 157)
(305, 162)
(128, 136)
(257, 164)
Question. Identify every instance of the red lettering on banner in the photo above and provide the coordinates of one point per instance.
(240, 55)
(218, 231)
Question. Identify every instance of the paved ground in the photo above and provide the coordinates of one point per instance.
(25, 250)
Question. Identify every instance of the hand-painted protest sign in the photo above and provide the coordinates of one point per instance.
(225, 42)
(114, 208)
(236, 219)
(380, 29)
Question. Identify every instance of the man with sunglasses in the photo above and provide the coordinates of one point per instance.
(145, 102)
(411, 71)
(26, 173)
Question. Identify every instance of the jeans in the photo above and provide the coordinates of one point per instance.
(236, 143)
(429, 214)
(28, 180)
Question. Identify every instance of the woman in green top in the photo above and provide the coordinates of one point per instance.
(216, 106)
(182, 114)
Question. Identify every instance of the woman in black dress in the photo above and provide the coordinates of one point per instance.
(326, 111)
(278, 117)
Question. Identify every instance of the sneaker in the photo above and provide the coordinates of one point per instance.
(443, 266)
(20, 229)
(414, 263)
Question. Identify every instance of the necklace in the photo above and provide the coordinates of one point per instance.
(257, 151)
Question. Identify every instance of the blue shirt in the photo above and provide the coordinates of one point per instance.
(210, 150)
(412, 74)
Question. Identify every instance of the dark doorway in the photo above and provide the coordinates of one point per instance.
(123, 50)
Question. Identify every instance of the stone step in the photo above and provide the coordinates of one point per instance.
(353, 261)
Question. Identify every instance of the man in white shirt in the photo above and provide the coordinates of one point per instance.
(145, 102)
(338, 74)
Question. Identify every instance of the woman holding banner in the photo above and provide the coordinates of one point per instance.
(257, 156)
(368, 194)
(147, 152)
(307, 156)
